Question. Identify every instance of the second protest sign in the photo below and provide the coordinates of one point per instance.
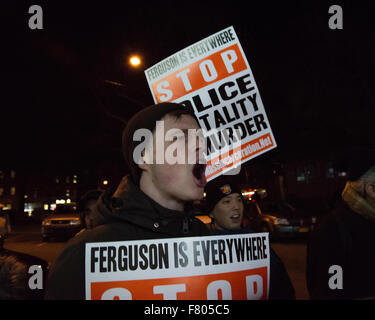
(214, 78)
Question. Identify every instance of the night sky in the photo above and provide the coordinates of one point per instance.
(58, 111)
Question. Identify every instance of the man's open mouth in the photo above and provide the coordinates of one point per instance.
(199, 173)
(235, 217)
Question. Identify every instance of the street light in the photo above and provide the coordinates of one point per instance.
(135, 61)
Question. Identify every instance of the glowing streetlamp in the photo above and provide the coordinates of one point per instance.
(135, 61)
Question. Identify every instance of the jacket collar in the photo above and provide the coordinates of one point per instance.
(128, 203)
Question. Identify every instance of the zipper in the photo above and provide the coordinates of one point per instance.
(185, 225)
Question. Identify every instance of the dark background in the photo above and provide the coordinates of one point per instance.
(58, 111)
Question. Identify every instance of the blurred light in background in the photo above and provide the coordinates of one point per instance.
(135, 61)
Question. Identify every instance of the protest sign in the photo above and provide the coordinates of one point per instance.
(214, 78)
(233, 267)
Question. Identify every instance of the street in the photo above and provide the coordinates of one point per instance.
(27, 239)
(292, 252)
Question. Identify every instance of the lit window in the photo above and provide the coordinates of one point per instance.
(8, 206)
(12, 174)
(28, 208)
(1, 191)
(13, 191)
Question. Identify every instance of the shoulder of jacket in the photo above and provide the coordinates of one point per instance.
(205, 229)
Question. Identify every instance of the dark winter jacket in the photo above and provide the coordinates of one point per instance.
(281, 287)
(127, 214)
(346, 239)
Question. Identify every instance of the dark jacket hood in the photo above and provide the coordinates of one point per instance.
(129, 204)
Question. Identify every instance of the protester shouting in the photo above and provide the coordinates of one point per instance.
(152, 202)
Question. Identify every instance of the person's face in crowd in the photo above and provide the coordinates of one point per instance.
(171, 185)
(88, 211)
(228, 212)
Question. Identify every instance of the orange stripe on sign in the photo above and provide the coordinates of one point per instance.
(246, 150)
(240, 285)
(199, 74)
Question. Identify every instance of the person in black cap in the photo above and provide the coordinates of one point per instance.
(224, 203)
(154, 201)
(340, 259)
(86, 206)
(225, 206)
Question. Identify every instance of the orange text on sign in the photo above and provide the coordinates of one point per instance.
(240, 285)
(199, 74)
(251, 148)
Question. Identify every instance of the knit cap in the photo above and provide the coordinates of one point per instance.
(219, 188)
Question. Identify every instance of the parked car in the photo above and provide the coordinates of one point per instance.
(64, 221)
(280, 219)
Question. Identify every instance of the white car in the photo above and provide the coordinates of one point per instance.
(64, 221)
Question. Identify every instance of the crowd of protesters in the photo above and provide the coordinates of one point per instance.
(154, 201)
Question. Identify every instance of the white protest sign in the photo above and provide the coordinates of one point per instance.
(214, 77)
(194, 268)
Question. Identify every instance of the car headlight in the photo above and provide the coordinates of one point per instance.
(75, 221)
(46, 222)
(281, 221)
